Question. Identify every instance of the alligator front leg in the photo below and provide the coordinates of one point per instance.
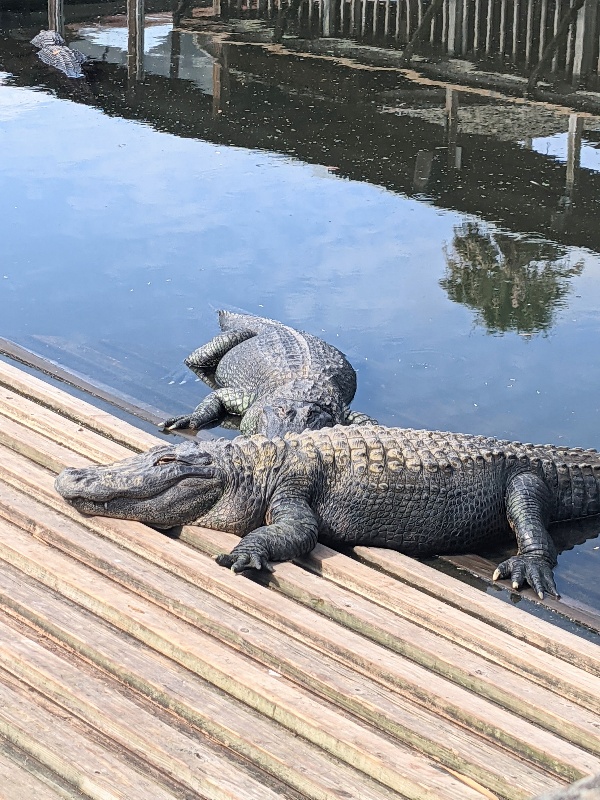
(214, 408)
(292, 532)
(527, 506)
(204, 361)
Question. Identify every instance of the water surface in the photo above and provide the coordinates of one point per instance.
(464, 286)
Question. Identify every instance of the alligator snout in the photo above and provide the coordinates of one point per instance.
(72, 483)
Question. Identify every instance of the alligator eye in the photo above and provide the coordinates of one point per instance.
(164, 460)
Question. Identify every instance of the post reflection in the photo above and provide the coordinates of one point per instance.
(135, 40)
(56, 16)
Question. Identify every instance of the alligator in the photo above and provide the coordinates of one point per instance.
(54, 52)
(420, 492)
(275, 378)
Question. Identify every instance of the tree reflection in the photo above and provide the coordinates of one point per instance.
(512, 284)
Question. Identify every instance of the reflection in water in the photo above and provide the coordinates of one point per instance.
(538, 35)
(513, 284)
(54, 52)
(293, 187)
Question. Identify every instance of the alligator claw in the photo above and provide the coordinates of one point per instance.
(534, 570)
(177, 424)
(238, 562)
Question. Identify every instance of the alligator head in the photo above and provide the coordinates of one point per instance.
(297, 406)
(281, 416)
(164, 487)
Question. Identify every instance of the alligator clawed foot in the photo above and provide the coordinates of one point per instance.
(238, 562)
(177, 424)
(534, 570)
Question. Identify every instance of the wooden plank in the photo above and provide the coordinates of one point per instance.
(52, 737)
(165, 684)
(352, 650)
(38, 448)
(569, 607)
(506, 689)
(95, 447)
(74, 435)
(20, 783)
(53, 370)
(130, 727)
(467, 669)
(358, 694)
(530, 629)
(356, 744)
(74, 409)
(501, 615)
(456, 625)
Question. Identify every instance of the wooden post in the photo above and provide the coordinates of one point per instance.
(476, 24)
(422, 170)
(515, 31)
(454, 152)
(529, 32)
(573, 152)
(455, 19)
(175, 53)
(417, 35)
(465, 27)
(135, 40)
(543, 18)
(56, 16)
(489, 27)
(585, 34)
(557, 14)
(327, 18)
(562, 31)
(220, 80)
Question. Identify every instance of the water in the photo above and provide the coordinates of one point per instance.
(463, 284)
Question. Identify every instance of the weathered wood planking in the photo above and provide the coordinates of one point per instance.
(358, 694)
(90, 417)
(19, 782)
(469, 670)
(333, 675)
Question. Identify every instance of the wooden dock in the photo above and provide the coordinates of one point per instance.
(133, 667)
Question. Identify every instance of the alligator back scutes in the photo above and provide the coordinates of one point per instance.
(290, 354)
(440, 450)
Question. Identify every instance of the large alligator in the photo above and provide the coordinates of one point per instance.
(277, 379)
(54, 52)
(419, 492)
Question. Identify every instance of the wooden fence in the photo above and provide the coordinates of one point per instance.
(514, 30)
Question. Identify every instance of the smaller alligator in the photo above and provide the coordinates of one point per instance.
(54, 52)
(275, 378)
(420, 492)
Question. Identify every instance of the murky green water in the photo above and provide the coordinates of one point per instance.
(464, 284)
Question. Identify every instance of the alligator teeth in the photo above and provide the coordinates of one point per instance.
(106, 506)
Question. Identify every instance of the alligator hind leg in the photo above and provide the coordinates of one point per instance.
(214, 408)
(528, 503)
(204, 361)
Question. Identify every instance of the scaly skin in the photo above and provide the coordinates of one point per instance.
(275, 378)
(419, 492)
(54, 52)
